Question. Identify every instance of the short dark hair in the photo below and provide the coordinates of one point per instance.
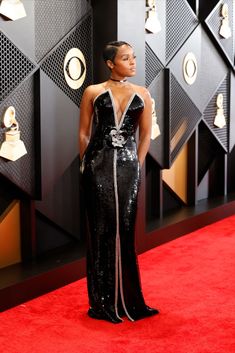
(111, 48)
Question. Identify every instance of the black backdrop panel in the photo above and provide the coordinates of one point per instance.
(214, 21)
(184, 116)
(210, 113)
(22, 171)
(157, 41)
(153, 65)
(193, 44)
(14, 66)
(53, 20)
(213, 69)
(62, 204)
(232, 113)
(180, 22)
(53, 65)
(156, 90)
(59, 132)
(22, 32)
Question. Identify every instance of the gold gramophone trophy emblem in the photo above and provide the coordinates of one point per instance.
(12, 148)
(220, 120)
(155, 132)
(225, 29)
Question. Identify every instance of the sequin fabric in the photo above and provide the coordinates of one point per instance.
(111, 179)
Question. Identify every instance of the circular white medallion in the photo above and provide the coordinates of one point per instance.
(74, 68)
(190, 68)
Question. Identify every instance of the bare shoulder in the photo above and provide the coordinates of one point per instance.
(93, 90)
(143, 92)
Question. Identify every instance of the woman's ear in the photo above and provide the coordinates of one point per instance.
(110, 64)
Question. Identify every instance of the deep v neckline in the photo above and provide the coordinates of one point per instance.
(118, 122)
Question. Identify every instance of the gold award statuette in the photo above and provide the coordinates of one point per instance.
(155, 132)
(225, 30)
(152, 23)
(12, 9)
(12, 148)
(220, 120)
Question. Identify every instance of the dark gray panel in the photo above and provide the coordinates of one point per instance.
(203, 188)
(211, 68)
(152, 65)
(180, 22)
(184, 117)
(210, 113)
(130, 28)
(22, 31)
(53, 20)
(14, 67)
(62, 204)
(157, 41)
(214, 22)
(53, 66)
(59, 132)
(232, 113)
(22, 171)
(156, 149)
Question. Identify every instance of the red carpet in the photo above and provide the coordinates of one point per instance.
(191, 281)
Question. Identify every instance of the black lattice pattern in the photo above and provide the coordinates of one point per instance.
(214, 23)
(14, 67)
(180, 22)
(22, 171)
(210, 113)
(153, 66)
(53, 66)
(53, 20)
(184, 116)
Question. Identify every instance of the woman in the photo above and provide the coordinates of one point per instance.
(110, 114)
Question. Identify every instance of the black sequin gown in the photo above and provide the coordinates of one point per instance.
(111, 179)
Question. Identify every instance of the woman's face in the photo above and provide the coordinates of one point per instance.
(124, 64)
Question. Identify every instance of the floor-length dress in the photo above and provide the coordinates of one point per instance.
(111, 179)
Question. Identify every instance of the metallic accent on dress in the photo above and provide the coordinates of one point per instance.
(118, 260)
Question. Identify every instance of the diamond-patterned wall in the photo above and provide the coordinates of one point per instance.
(47, 110)
(53, 20)
(185, 106)
(214, 21)
(14, 67)
(22, 171)
(53, 65)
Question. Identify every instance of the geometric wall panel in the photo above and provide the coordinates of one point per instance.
(22, 171)
(208, 150)
(192, 44)
(157, 91)
(65, 195)
(22, 32)
(153, 65)
(184, 117)
(214, 21)
(14, 66)
(210, 113)
(53, 19)
(59, 132)
(180, 22)
(80, 37)
(157, 41)
(176, 176)
(210, 72)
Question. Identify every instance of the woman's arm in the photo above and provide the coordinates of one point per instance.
(145, 126)
(85, 123)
